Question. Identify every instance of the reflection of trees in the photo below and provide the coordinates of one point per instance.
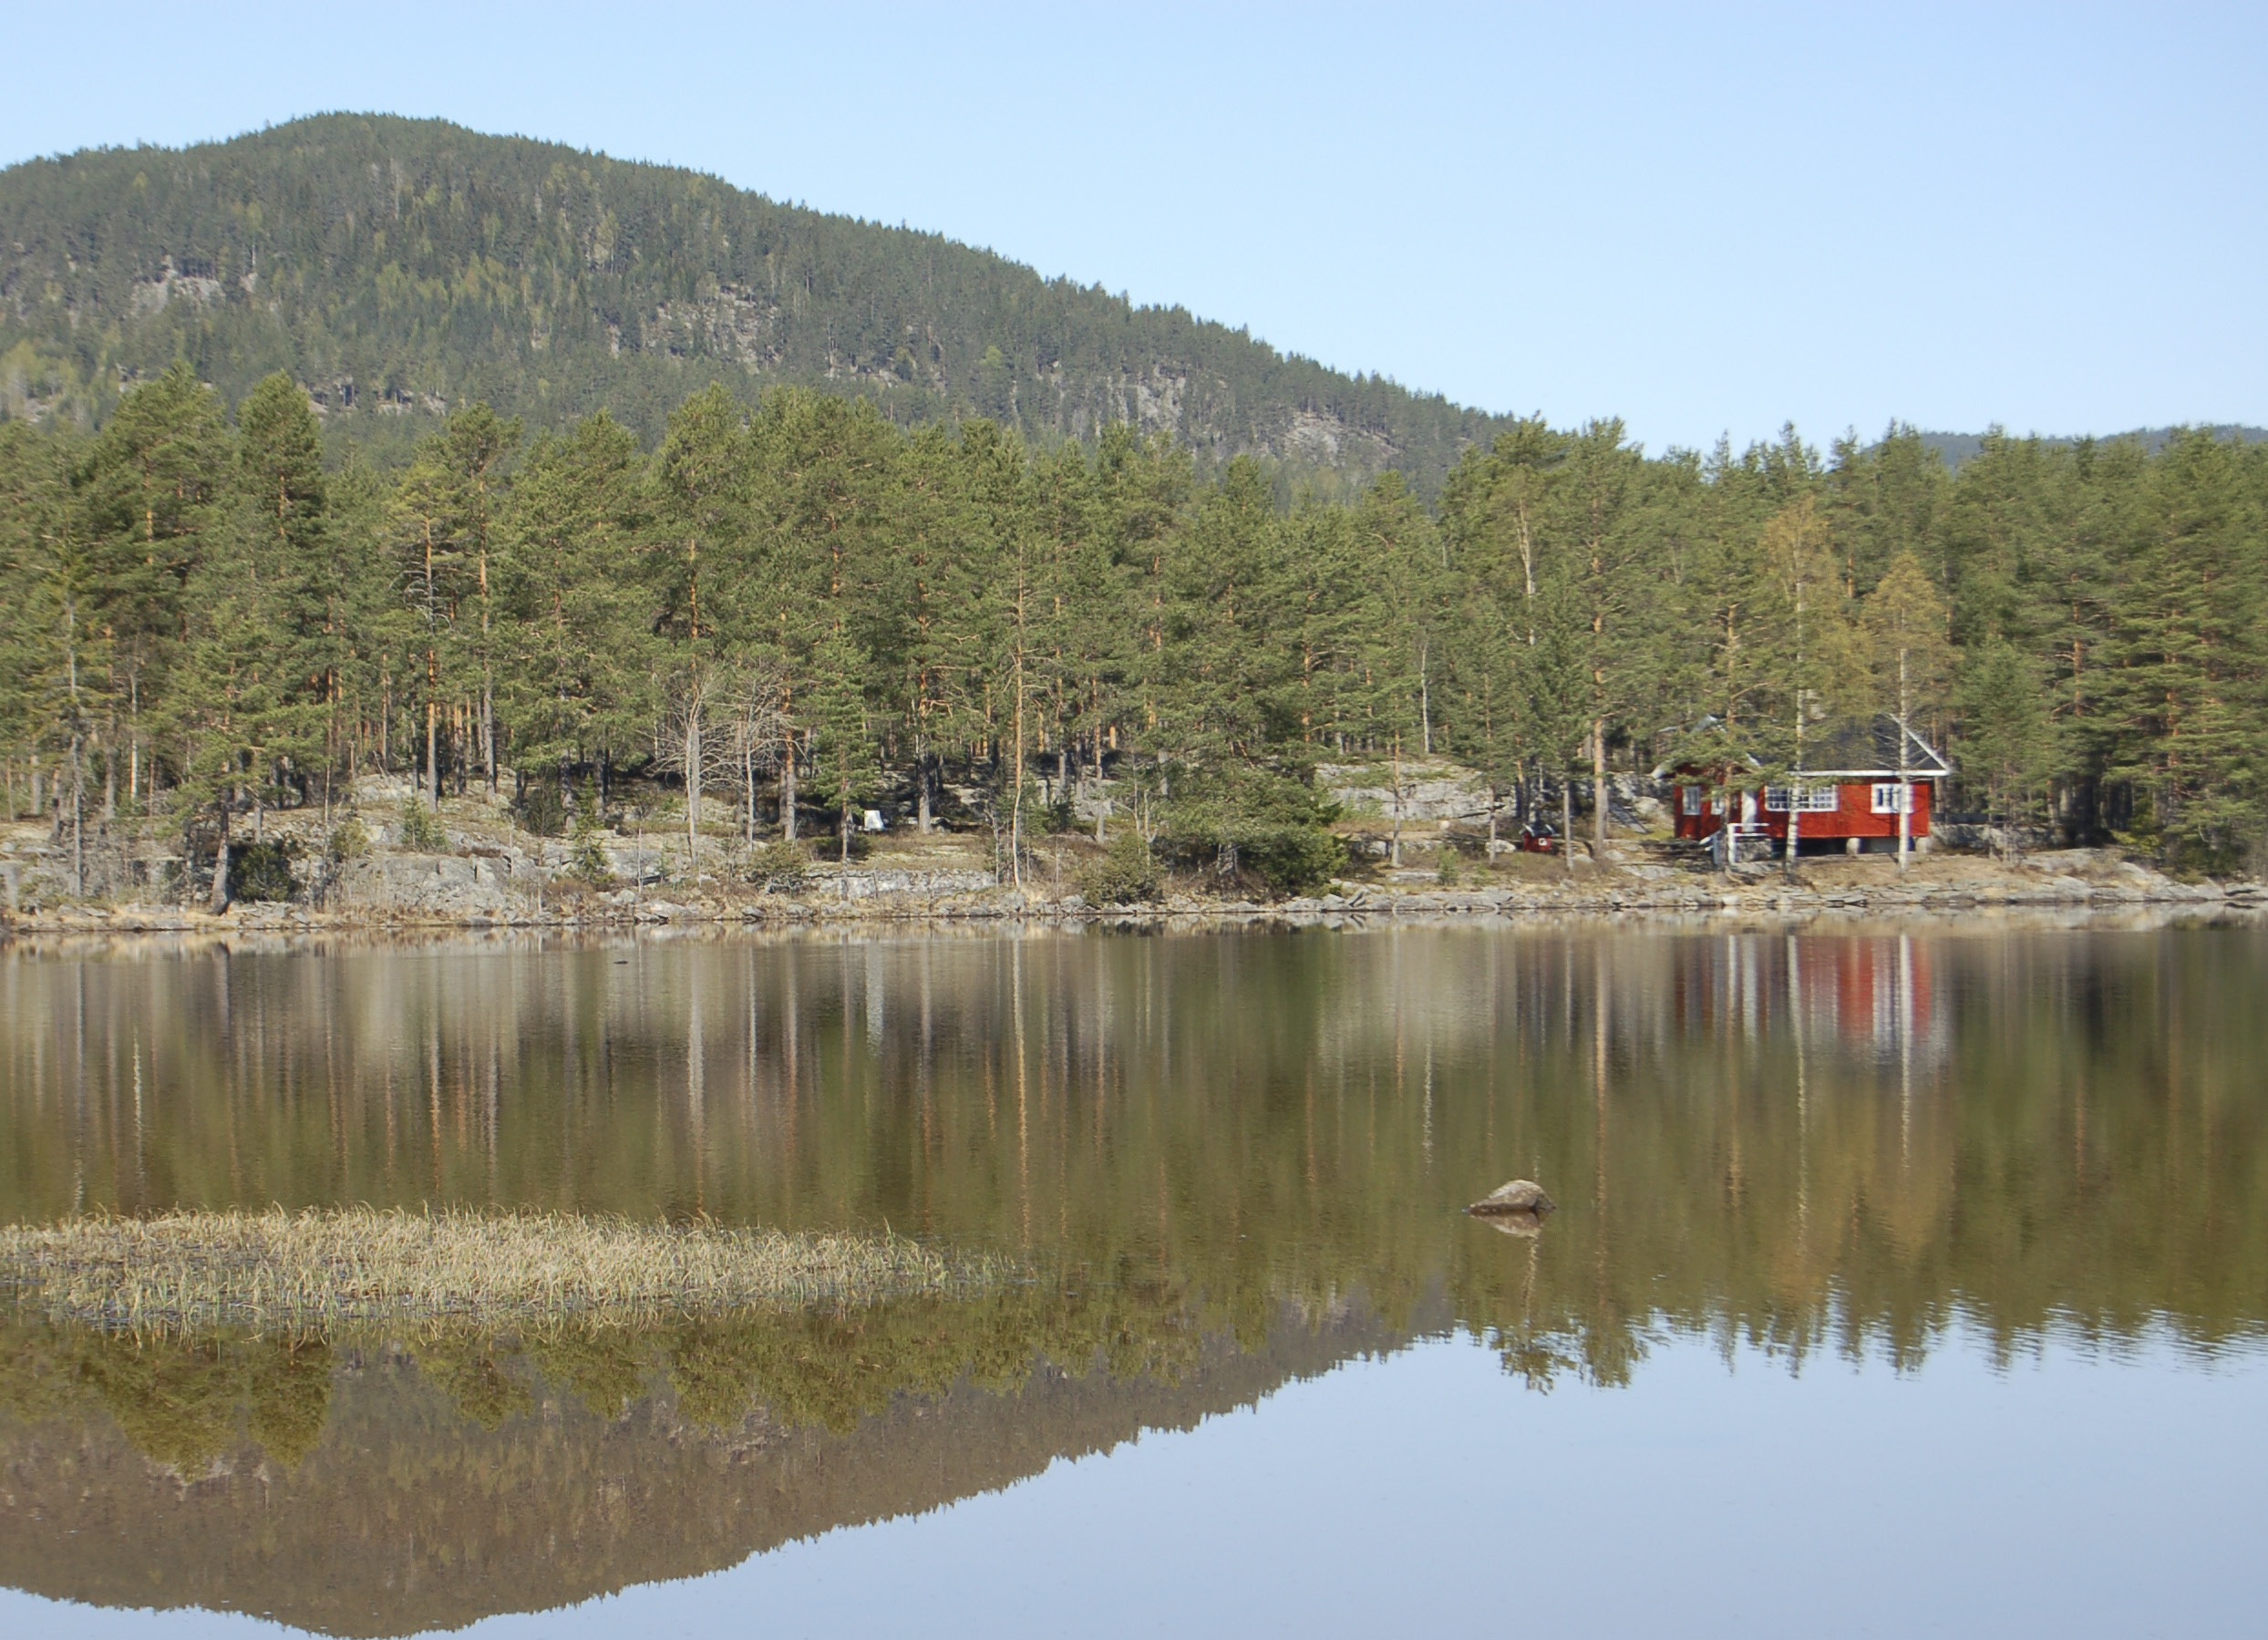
(289, 1392)
(178, 1405)
(1231, 1159)
(831, 1370)
(181, 1403)
(2086, 1152)
(444, 1517)
(476, 1376)
(1805, 1140)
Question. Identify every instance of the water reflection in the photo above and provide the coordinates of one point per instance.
(1237, 1157)
(1791, 1133)
(382, 1486)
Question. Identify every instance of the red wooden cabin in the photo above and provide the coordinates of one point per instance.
(1846, 800)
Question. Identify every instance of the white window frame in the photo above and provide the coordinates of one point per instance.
(1808, 800)
(1693, 799)
(1891, 798)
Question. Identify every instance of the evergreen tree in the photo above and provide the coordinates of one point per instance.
(2003, 741)
(282, 516)
(2191, 658)
(151, 497)
(572, 660)
(1903, 625)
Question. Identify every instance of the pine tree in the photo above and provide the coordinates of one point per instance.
(2190, 690)
(445, 517)
(150, 492)
(700, 533)
(2004, 732)
(1902, 623)
(1400, 560)
(573, 668)
(282, 516)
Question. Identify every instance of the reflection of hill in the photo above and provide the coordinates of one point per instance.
(1819, 1141)
(407, 1514)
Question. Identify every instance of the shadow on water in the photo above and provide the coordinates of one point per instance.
(1239, 1159)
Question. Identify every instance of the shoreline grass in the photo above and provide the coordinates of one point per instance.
(328, 1266)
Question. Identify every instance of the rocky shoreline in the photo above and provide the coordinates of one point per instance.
(488, 872)
(886, 894)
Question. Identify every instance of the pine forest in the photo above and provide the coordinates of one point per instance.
(796, 610)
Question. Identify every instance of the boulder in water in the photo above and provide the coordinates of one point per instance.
(1520, 1196)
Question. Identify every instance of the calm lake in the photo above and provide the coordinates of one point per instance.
(1904, 1280)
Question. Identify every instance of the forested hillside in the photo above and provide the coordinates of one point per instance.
(398, 268)
(813, 609)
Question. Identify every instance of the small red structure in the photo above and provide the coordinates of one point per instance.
(1845, 800)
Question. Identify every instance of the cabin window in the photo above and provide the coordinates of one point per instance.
(1693, 799)
(1893, 799)
(1800, 800)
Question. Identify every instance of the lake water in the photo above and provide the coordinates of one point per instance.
(1904, 1280)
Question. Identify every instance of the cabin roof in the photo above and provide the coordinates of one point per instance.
(1850, 748)
(1860, 748)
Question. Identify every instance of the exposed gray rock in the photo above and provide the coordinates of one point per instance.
(863, 883)
(424, 884)
(1430, 790)
(1519, 1196)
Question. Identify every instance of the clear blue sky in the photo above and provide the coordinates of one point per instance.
(1703, 220)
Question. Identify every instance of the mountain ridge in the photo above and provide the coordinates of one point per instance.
(399, 267)
(1953, 449)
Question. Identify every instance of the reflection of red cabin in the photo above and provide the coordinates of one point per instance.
(1875, 993)
(1846, 800)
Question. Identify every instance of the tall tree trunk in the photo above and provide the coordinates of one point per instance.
(433, 762)
(1725, 835)
(1599, 804)
(921, 785)
(488, 728)
(1567, 821)
(693, 787)
(1905, 791)
(78, 819)
(1424, 701)
(219, 902)
(788, 788)
(1795, 799)
(1015, 812)
(1397, 855)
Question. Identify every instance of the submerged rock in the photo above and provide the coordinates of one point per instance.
(1521, 1196)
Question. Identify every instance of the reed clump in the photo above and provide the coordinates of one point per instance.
(323, 1266)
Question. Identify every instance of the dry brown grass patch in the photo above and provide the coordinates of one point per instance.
(192, 1271)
